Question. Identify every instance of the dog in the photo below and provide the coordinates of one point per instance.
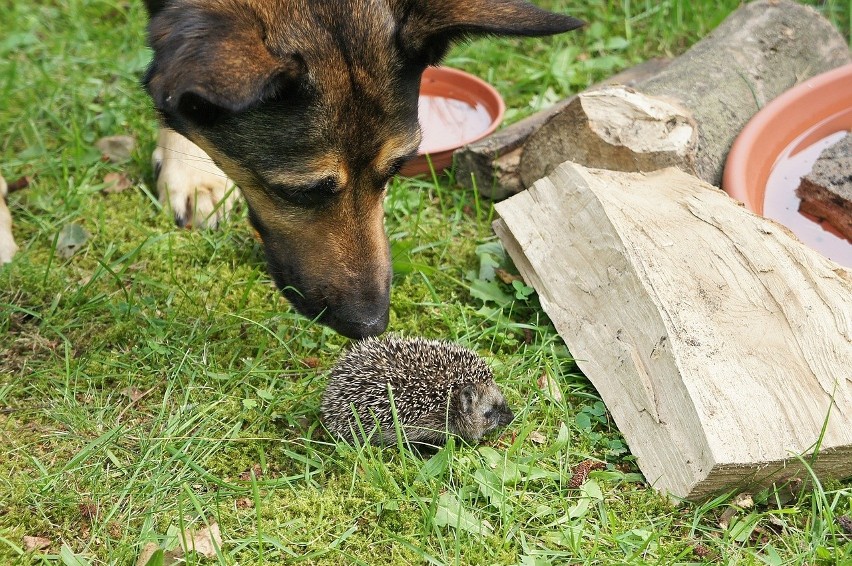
(8, 248)
(310, 106)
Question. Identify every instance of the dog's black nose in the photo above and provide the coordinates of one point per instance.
(359, 325)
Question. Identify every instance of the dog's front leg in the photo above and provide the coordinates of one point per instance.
(7, 242)
(197, 192)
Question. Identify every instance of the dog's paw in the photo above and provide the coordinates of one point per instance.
(8, 248)
(197, 192)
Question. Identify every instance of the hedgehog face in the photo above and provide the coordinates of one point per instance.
(480, 408)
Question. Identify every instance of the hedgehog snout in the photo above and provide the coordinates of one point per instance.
(505, 416)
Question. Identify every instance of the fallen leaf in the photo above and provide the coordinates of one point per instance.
(205, 542)
(148, 551)
(258, 473)
(244, 503)
(133, 393)
(506, 277)
(311, 362)
(35, 543)
(701, 551)
(88, 510)
(71, 239)
(537, 437)
(549, 385)
(727, 515)
(116, 149)
(116, 183)
(744, 501)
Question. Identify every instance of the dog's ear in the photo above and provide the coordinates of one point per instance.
(208, 63)
(427, 27)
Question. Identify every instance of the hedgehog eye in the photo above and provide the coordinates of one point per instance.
(489, 414)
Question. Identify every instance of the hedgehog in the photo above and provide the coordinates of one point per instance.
(437, 387)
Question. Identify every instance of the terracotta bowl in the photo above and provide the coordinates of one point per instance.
(456, 108)
(779, 145)
(823, 102)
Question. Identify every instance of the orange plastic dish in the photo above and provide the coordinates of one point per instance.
(456, 109)
(822, 103)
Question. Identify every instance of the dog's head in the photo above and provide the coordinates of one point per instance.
(310, 106)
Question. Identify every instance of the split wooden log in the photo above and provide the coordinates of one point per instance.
(689, 114)
(491, 164)
(720, 344)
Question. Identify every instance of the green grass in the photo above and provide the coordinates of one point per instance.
(230, 377)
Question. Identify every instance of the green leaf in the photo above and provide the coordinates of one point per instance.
(157, 559)
(488, 267)
(494, 249)
(592, 490)
(489, 292)
(580, 508)
(434, 466)
(491, 487)
(522, 291)
(616, 43)
(71, 239)
(741, 529)
(265, 395)
(583, 420)
(451, 513)
(70, 559)
(249, 404)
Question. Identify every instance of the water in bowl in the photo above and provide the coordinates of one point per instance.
(449, 122)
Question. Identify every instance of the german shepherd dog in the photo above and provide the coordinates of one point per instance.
(310, 106)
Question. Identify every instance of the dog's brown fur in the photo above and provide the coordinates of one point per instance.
(310, 106)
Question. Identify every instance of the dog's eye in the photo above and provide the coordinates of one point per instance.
(312, 195)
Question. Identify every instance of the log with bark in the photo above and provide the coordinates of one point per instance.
(491, 164)
(720, 344)
(689, 114)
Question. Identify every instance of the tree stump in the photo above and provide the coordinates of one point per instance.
(720, 344)
(689, 114)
